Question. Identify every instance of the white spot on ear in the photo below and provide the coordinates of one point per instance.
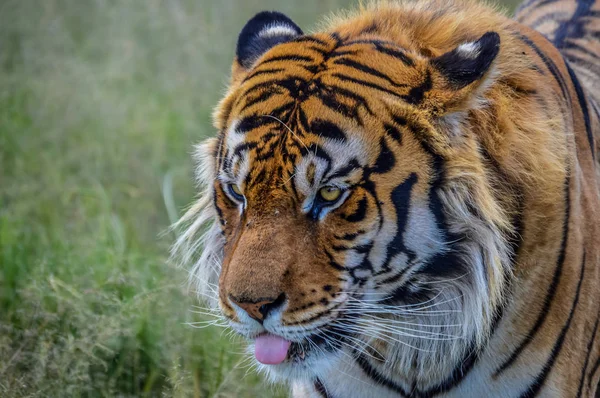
(469, 50)
(278, 29)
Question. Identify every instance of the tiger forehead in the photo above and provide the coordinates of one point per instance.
(274, 148)
(308, 106)
(314, 52)
(327, 67)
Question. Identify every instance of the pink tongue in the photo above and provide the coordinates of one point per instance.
(270, 349)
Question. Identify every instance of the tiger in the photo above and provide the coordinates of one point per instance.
(406, 202)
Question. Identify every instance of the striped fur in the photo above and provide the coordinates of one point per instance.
(462, 256)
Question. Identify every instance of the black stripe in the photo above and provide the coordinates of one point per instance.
(537, 385)
(290, 57)
(574, 46)
(517, 90)
(380, 46)
(269, 84)
(215, 200)
(250, 123)
(529, 3)
(360, 249)
(551, 289)
(343, 171)
(584, 108)
(593, 372)
(369, 186)
(351, 236)
(393, 132)
(337, 90)
(327, 129)
(553, 16)
(463, 368)
(596, 110)
(317, 151)
(321, 51)
(302, 120)
(435, 202)
(399, 293)
(334, 263)
(416, 94)
(220, 150)
(590, 346)
(379, 378)
(339, 53)
(458, 374)
(260, 98)
(591, 66)
(320, 389)
(449, 264)
(225, 197)
(385, 160)
(281, 112)
(368, 70)
(309, 39)
(573, 28)
(550, 65)
(366, 83)
(465, 365)
(400, 198)
(314, 317)
(360, 212)
(256, 177)
(328, 98)
(243, 147)
(372, 28)
(262, 72)
(396, 54)
(336, 106)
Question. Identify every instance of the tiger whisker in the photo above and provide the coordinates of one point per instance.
(387, 339)
(396, 329)
(346, 363)
(371, 328)
(289, 129)
(357, 341)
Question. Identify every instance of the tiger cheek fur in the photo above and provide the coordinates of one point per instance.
(409, 207)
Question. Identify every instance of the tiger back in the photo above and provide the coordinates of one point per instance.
(406, 203)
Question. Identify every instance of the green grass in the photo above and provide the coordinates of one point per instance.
(100, 103)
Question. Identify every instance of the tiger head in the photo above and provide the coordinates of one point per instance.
(350, 212)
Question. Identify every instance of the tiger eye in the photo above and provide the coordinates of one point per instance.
(329, 194)
(236, 189)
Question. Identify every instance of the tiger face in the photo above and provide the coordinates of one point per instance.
(344, 197)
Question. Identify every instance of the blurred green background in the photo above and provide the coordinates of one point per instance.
(100, 104)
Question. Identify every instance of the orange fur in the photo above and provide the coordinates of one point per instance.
(518, 170)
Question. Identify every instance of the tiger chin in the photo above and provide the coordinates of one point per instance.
(406, 203)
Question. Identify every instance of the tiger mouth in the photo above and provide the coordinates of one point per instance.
(274, 350)
(269, 347)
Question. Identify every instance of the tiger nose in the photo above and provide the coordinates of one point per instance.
(259, 310)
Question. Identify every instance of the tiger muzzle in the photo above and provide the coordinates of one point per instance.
(256, 277)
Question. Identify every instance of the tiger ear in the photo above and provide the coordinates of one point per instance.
(264, 31)
(469, 62)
